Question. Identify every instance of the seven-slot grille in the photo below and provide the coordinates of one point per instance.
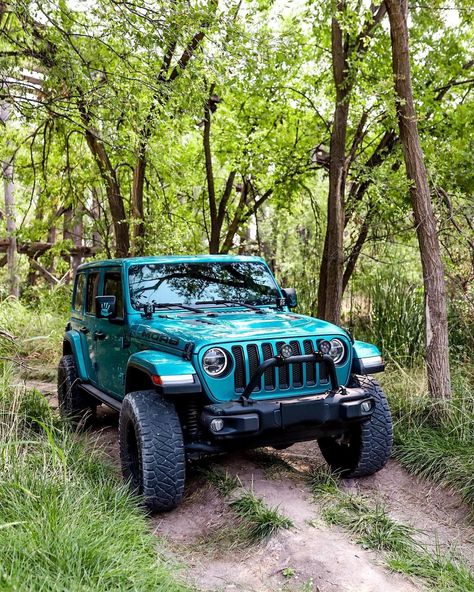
(247, 359)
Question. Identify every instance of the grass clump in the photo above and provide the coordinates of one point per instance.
(434, 439)
(260, 520)
(374, 529)
(65, 521)
(371, 525)
(221, 480)
(441, 569)
(323, 481)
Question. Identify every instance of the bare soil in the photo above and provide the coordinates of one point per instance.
(311, 556)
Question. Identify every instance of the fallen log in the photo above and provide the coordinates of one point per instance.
(36, 249)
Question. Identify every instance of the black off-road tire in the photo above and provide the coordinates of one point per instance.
(152, 450)
(366, 447)
(74, 405)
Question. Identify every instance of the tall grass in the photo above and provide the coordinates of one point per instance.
(434, 439)
(65, 521)
(395, 320)
(32, 337)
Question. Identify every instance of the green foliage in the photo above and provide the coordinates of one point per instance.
(65, 522)
(396, 319)
(36, 333)
(434, 439)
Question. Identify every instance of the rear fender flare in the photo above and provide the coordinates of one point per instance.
(72, 345)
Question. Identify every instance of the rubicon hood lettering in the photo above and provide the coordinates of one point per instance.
(159, 337)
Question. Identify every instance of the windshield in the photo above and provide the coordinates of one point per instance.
(188, 283)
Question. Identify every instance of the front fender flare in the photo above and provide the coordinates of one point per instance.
(367, 358)
(166, 368)
(73, 341)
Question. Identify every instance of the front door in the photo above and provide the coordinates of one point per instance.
(90, 321)
(112, 339)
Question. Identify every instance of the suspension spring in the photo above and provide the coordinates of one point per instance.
(192, 419)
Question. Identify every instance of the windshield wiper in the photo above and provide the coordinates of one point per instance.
(233, 303)
(153, 306)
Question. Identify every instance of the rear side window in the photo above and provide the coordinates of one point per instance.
(79, 292)
(113, 287)
(92, 291)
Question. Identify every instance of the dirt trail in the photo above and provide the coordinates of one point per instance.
(311, 556)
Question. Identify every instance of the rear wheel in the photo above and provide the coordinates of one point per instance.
(74, 404)
(366, 447)
(152, 449)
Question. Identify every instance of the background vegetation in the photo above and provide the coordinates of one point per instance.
(206, 126)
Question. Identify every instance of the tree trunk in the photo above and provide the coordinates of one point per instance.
(214, 236)
(111, 183)
(436, 330)
(95, 210)
(138, 212)
(332, 265)
(7, 171)
(77, 237)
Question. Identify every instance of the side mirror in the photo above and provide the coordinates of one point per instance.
(105, 307)
(290, 297)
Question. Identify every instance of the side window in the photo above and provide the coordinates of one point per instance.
(92, 291)
(79, 292)
(113, 287)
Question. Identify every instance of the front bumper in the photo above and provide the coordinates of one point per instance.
(238, 419)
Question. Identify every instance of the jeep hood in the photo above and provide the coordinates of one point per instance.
(232, 326)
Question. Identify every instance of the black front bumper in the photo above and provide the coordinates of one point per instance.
(236, 419)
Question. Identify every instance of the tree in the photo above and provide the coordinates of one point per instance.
(347, 49)
(436, 325)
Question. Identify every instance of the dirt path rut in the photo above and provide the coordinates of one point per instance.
(309, 557)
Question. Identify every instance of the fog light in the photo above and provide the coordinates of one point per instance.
(325, 347)
(286, 351)
(216, 425)
(366, 406)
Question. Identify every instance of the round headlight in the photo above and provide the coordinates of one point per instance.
(215, 361)
(337, 350)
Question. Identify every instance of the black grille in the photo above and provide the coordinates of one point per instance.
(248, 358)
(297, 368)
(269, 374)
(254, 361)
(323, 373)
(239, 373)
(310, 368)
(282, 370)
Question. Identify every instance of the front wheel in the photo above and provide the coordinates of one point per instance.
(152, 450)
(74, 404)
(366, 447)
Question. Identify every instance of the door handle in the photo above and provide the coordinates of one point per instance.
(84, 330)
(99, 335)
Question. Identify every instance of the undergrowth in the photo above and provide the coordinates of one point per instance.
(434, 439)
(31, 338)
(442, 569)
(65, 521)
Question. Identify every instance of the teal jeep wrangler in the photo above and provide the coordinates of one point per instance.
(202, 355)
